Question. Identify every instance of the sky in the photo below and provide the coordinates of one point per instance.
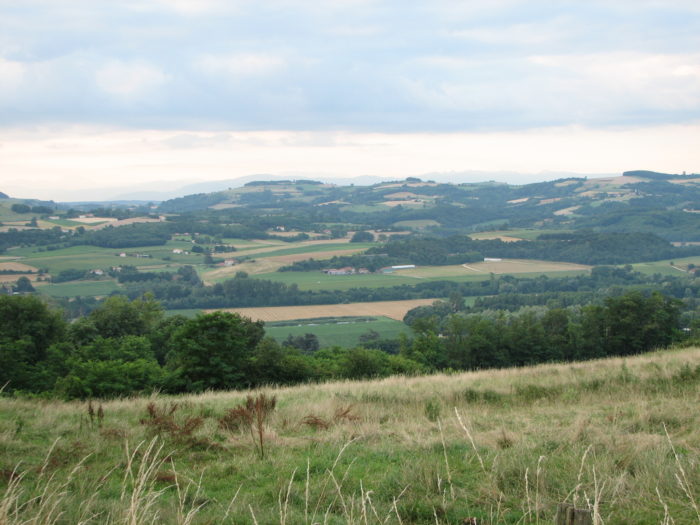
(97, 97)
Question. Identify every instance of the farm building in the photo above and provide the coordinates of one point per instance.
(403, 267)
(348, 270)
(492, 259)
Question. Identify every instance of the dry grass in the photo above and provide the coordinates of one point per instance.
(505, 266)
(567, 211)
(11, 278)
(123, 222)
(392, 309)
(494, 236)
(17, 267)
(620, 437)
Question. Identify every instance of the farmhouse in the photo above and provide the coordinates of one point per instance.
(348, 270)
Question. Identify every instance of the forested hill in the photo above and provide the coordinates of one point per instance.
(637, 201)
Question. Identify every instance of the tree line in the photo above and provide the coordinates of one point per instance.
(125, 347)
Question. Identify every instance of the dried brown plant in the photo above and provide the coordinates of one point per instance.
(252, 415)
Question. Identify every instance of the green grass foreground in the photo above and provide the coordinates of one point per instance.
(618, 436)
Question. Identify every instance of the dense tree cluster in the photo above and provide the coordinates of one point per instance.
(624, 325)
(123, 347)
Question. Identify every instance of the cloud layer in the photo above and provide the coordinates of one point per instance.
(362, 65)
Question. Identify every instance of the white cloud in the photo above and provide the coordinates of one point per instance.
(196, 7)
(129, 79)
(241, 64)
(525, 34)
(660, 81)
(11, 75)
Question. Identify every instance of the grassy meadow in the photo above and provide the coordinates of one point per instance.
(620, 437)
(343, 332)
(473, 272)
(79, 288)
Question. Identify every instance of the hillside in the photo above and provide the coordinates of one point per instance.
(636, 201)
(618, 436)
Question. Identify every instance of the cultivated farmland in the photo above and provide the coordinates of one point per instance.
(504, 266)
(392, 309)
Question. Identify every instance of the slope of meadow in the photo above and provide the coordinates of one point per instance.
(618, 436)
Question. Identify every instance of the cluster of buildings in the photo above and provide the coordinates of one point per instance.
(350, 270)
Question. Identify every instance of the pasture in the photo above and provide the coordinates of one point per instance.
(343, 332)
(481, 271)
(679, 266)
(79, 288)
(92, 257)
(418, 224)
(504, 266)
(391, 309)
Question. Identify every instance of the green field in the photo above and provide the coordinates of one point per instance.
(91, 257)
(665, 268)
(79, 288)
(527, 234)
(417, 224)
(345, 332)
(314, 248)
(317, 280)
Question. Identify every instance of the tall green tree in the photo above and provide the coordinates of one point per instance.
(213, 351)
(28, 328)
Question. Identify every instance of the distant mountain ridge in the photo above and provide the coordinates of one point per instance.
(4, 195)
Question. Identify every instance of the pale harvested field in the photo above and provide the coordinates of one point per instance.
(548, 201)
(567, 211)
(94, 220)
(224, 206)
(613, 180)
(252, 268)
(489, 237)
(17, 267)
(506, 266)
(125, 222)
(11, 278)
(526, 266)
(270, 264)
(292, 233)
(393, 309)
(295, 257)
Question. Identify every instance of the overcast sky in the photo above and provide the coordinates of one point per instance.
(96, 94)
